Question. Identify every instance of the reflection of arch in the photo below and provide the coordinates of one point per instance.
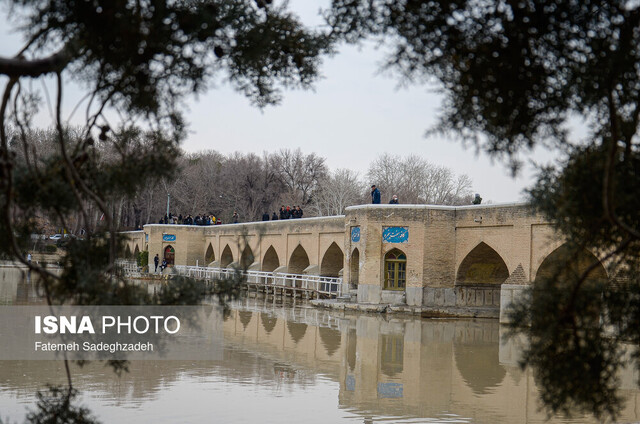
(209, 256)
(391, 354)
(352, 345)
(354, 267)
(169, 255)
(482, 265)
(395, 270)
(268, 322)
(299, 260)
(332, 261)
(567, 263)
(330, 339)
(245, 318)
(226, 258)
(479, 365)
(296, 330)
(246, 259)
(270, 261)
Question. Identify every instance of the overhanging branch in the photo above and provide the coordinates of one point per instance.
(18, 67)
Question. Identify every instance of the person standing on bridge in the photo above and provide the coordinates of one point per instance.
(274, 217)
(394, 200)
(156, 261)
(375, 195)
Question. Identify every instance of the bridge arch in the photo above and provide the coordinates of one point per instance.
(270, 261)
(136, 252)
(246, 258)
(565, 262)
(226, 258)
(483, 265)
(127, 252)
(298, 261)
(332, 261)
(209, 255)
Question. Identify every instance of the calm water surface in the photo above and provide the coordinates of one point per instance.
(291, 363)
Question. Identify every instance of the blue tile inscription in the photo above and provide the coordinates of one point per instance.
(355, 234)
(395, 234)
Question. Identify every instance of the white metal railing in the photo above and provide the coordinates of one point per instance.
(129, 267)
(324, 285)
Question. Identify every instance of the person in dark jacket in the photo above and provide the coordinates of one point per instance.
(394, 200)
(265, 216)
(283, 213)
(375, 195)
(235, 217)
(156, 261)
(274, 217)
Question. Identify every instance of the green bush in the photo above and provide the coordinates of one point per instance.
(50, 248)
(143, 258)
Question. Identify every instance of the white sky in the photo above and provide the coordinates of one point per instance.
(353, 115)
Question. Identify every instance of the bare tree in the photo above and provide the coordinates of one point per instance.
(415, 180)
(340, 189)
(299, 173)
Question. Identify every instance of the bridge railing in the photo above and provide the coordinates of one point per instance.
(329, 286)
(129, 268)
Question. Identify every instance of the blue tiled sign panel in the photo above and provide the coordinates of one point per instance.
(168, 237)
(395, 234)
(355, 234)
(390, 390)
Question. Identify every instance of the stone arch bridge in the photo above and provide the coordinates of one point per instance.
(425, 256)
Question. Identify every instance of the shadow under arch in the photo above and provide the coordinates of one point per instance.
(568, 263)
(296, 330)
(270, 261)
(209, 255)
(331, 339)
(482, 265)
(136, 252)
(246, 258)
(299, 260)
(332, 261)
(226, 258)
(268, 322)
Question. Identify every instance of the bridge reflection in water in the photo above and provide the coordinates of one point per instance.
(291, 363)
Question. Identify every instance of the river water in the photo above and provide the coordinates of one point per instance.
(291, 363)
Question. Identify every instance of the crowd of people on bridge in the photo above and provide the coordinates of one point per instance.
(286, 212)
(190, 220)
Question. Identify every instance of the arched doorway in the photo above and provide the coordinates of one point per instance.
(226, 258)
(270, 261)
(332, 261)
(209, 256)
(169, 255)
(395, 270)
(354, 268)
(482, 265)
(136, 253)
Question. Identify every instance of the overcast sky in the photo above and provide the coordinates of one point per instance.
(353, 115)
